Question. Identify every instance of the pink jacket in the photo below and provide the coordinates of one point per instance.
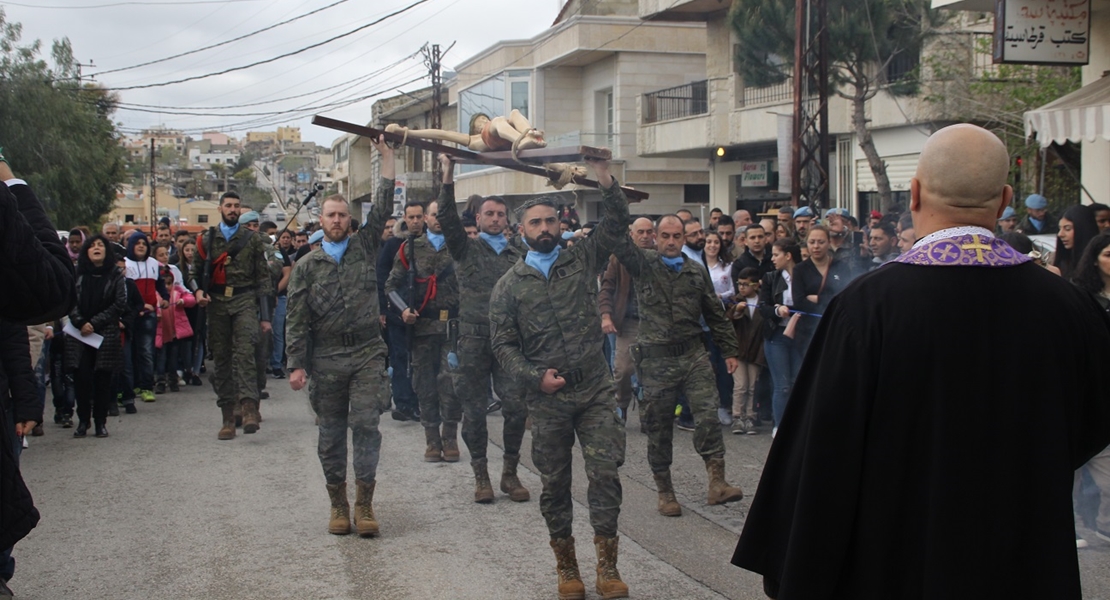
(176, 316)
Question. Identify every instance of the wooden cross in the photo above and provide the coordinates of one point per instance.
(534, 158)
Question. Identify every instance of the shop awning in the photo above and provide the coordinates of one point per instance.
(1083, 115)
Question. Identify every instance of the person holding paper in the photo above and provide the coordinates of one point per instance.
(101, 300)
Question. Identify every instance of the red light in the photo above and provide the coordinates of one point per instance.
(1018, 161)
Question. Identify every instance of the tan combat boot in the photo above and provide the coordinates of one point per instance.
(668, 505)
(365, 523)
(566, 565)
(483, 489)
(609, 584)
(227, 432)
(720, 492)
(450, 441)
(250, 416)
(510, 483)
(434, 451)
(340, 523)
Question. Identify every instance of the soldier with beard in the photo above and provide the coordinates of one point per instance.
(333, 333)
(481, 261)
(237, 293)
(546, 332)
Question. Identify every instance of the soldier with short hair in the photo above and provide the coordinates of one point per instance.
(433, 293)
(236, 291)
(673, 293)
(333, 335)
(480, 261)
(546, 332)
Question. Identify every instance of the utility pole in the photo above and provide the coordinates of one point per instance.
(432, 59)
(809, 181)
(153, 191)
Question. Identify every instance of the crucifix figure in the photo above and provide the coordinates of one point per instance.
(487, 134)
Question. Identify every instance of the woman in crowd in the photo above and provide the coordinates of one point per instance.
(1093, 275)
(143, 270)
(816, 281)
(173, 332)
(101, 300)
(776, 298)
(1077, 228)
(719, 261)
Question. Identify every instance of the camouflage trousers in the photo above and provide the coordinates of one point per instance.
(233, 331)
(476, 366)
(663, 381)
(349, 391)
(587, 411)
(431, 380)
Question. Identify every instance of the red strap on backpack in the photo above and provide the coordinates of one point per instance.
(430, 292)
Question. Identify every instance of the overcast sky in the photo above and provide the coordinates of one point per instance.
(146, 30)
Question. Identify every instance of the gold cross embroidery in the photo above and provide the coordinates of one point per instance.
(978, 246)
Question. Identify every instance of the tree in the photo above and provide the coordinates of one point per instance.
(866, 38)
(246, 175)
(997, 97)
(57, 133)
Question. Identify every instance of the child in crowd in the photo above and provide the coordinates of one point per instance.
(749, 333)
(173, 331)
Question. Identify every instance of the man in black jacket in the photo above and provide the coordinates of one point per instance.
(32, 255)
(404, 398)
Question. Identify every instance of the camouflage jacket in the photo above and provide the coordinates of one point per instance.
(539, 323)
(477, 265)
(333, 307)
(671, 303)
(248, 268)
(445, 303)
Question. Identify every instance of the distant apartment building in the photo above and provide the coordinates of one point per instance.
(218, 139)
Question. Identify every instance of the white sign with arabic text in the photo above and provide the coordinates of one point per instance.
(1042, 31)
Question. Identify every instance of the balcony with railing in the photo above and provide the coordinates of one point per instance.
(679, 102)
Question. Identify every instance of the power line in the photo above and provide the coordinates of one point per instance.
(275, 58)
(224, 43)
(250, 104)
(134, 3)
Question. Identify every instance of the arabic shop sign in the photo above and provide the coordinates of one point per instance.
(1047, 32)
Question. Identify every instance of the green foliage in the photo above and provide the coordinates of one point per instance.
(58, 134)
(245, 175)
(997, 97)
(863, 35)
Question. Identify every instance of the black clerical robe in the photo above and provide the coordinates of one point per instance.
(913, 461)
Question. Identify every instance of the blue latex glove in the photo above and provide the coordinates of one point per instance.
(452, 360)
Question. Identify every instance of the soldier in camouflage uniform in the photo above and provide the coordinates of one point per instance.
(236, 292)
(334, 341)
(672, 295)
(546, 333)
(436, 296)
(479, 263)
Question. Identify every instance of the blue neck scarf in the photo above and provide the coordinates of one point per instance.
(228, 231)
(336, 250)
(674, 263)
(542, 261)
(497, 242)
(436, 239)
(1037, 223)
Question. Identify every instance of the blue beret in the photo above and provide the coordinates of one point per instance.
(1036, 202)
(1007, 214)
(803, 212)
(841, 212)
(568, 235)
(249, 217)
(316, 236)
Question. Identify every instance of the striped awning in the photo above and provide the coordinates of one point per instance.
(1083, 115)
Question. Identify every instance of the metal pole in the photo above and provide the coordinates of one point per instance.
(799, 91)
(153, 191)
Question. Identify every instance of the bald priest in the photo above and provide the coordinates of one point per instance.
(912, 462)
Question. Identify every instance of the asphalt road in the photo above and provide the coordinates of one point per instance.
(161, 509)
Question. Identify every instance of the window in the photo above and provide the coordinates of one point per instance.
(695, 193)
(202, 218)
(495, 97)
(128, 218)
(519, 97)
